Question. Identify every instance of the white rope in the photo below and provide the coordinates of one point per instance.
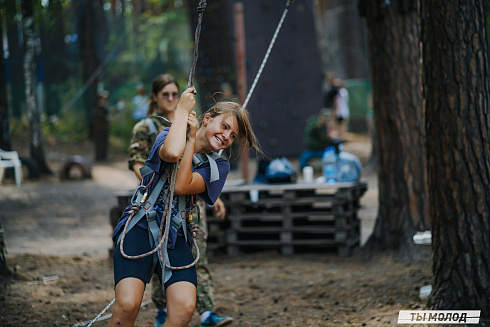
(99, 318)
(266, 57)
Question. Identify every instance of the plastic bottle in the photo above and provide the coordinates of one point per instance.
(329, 164)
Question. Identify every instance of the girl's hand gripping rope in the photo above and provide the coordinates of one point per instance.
(187, 100)
(192, 125)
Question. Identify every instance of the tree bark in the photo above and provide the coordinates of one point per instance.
(5, 138)
(33, 112)
(16, 59)
(4, 269)
(88, 54)
(52, 30)
(394, 58)
(456, 89)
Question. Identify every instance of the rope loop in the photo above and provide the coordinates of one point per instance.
(201, 7)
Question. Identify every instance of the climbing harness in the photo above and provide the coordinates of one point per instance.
(266, 57)
(146, 205)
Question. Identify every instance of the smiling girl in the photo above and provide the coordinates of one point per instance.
(220, 126)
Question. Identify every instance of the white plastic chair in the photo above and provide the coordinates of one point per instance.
(10, 159)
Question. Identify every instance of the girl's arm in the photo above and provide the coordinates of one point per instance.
(189, 182)
(175, 142)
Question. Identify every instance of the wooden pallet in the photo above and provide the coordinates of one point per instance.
(293, 217)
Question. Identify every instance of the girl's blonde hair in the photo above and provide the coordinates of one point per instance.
(245, 132)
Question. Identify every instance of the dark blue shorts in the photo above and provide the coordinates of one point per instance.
(136, 242)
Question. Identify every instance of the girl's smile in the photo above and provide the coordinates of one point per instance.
(220, 131)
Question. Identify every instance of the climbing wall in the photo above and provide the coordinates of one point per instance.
(289, 90)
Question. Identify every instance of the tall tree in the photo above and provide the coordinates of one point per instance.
(456, 90)
(52, 32)
(33, 111)
(16, 57)
(394, 59)
(5, 139)
(87, 30)
(4, 269)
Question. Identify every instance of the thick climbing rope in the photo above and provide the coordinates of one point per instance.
(266, 57)
(200, 9)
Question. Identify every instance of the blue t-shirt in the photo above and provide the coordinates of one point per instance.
(213, 189)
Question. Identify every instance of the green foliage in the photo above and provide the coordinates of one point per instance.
(140, 46)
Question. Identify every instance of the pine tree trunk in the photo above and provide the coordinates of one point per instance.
(88, 55)
(4, 269)
(394, 57)
(52, 30)
(33, 112)
(455, 73)
(16, 59)
(5, 139)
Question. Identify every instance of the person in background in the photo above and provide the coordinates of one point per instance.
(341, 108)
(140, 102)
(316, 137)
(163, 102)
(101, 126)
(329, 96)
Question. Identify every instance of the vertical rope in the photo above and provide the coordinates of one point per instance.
(197, 34)
(266, 57)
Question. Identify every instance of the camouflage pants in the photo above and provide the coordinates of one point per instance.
(205, 292)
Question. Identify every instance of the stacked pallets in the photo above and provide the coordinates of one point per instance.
(293, 218)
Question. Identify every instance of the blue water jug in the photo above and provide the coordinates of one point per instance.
(348, 167)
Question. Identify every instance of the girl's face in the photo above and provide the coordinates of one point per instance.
(167, 98)
(220, 131)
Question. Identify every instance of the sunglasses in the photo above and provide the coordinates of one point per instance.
(166, 95)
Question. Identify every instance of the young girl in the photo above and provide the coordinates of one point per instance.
(164, 99)
(219, 127)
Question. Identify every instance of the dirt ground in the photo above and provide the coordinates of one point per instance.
(58, 239)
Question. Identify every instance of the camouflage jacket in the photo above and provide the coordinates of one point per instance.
(141, 140)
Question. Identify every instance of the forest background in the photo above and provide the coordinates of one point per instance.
(430, 108)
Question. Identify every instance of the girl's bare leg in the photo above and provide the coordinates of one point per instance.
(129, 294)
(181, 302)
